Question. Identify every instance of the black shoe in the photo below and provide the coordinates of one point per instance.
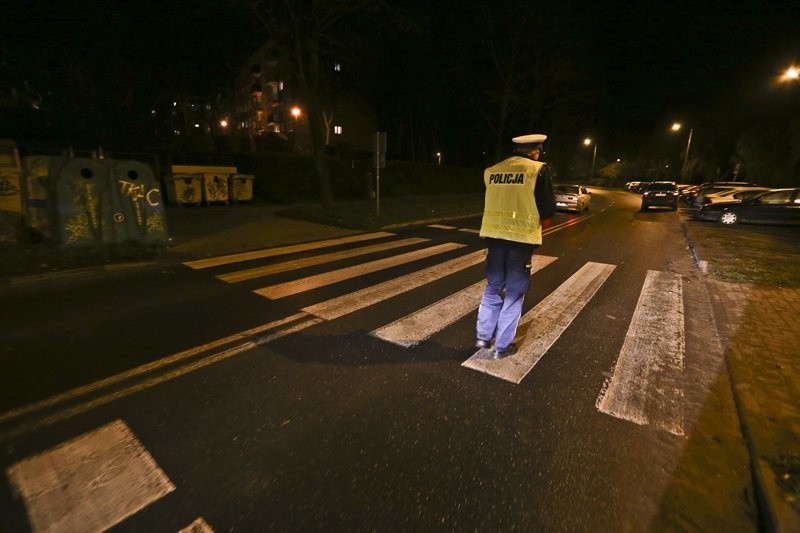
(499, 354)
(482, 344)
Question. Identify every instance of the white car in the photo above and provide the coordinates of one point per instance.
(572, 197)
(733, 195)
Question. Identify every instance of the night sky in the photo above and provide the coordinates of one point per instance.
(641, 65)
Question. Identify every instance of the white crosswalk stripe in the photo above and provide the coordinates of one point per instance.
(354, 301)
(289, 288)
(295, 264)
(645, 387)
(282, 250)
(552, 316)
(420, 325)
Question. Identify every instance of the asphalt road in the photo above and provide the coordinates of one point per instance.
(264, 415)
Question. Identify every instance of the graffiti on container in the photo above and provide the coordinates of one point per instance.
(155, 223)
(138, 191)
(77, 228)
(138, 194)
(217, 189)
(7, 187)
(241, 189)
(188, 195)
(85, 224)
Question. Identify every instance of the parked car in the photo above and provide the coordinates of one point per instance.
(777, 206)
(641, 187)
(734, 195)
(572, 197)
(660, 194)
(689, 195)
(632, 185)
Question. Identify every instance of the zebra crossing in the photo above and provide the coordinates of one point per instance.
(644, 388)
(645, 385)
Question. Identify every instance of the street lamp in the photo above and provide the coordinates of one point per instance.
(677, 127)
(438, 158)
(791, 74)
(295, 113)
(587, 142)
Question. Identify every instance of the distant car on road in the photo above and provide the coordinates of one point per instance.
(777, 206)
(572, 197)
(660, 194)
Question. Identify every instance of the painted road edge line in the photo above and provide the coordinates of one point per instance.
(149, 367)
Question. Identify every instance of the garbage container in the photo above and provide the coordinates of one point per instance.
(215, 188)
(138, 206)
(185, 189)
(35, 189)
(241, 187)
(82, 202)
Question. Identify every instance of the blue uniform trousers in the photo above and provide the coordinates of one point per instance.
(508, 277)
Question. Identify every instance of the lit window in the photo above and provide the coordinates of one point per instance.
(337, 67)
(337, 130)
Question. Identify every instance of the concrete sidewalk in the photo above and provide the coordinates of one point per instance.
(220, 229)
(759, 328)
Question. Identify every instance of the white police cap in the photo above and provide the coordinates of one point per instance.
(529, 141)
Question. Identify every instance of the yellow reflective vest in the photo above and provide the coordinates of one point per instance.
(509, 210)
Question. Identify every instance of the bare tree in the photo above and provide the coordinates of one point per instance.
(532, 78)
(308, 34)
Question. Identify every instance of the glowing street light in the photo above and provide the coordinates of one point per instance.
(296, 112)
(791, 74)
(223, 123)
(438, 158)
(588, 142)
(677, 127)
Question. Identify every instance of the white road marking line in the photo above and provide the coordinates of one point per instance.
(271, 252)
(289, 288)
(89, 483)
(646, 386)
(541, 327)
(565, 224)
(548, 230)
(149, 367)
(157, 380)
(440, 226)
(348, 303)
(257, 272)
(420, 325)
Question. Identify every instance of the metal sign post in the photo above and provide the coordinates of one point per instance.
(380, 162)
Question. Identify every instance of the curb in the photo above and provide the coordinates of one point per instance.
(771, 513)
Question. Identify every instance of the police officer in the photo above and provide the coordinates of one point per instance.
(512, 228)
